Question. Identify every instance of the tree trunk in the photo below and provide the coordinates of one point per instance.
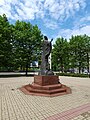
(21, 68)
(26, 69)
(79, 67)
(87, 62)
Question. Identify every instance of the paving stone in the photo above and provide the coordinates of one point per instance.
(14, 105)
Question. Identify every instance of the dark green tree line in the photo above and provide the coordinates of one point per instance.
(60, 54)
(19, 44)
(72, 54)
(5, 43)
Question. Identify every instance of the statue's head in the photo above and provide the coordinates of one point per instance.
(45, 37)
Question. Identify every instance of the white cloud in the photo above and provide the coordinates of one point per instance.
(50, 24)
(38, 8)
(54, 9)
(85, 19)
(81, 22)
(67, 33)
(64, 8)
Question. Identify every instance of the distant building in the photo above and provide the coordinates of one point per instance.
(34, 64)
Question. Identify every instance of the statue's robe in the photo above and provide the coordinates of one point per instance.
(46, 50)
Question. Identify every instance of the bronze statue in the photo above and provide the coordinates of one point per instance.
(46, 50)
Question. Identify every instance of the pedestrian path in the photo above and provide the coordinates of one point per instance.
(67, 115)
(14, 105)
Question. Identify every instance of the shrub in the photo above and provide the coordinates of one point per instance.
(73, 74)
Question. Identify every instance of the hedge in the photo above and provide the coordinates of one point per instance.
(73, 74)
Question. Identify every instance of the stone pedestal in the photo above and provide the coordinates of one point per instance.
(46, 86)
(46, 80)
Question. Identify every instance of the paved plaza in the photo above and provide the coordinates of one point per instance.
(15, 105)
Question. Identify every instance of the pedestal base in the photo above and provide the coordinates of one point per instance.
(46, 86)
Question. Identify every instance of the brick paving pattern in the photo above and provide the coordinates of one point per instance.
(14, 105)
(67, 115)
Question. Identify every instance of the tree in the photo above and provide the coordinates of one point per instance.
(60, 54)
(87, 49)
(26, 43)
(72, 54)
(79, 46)
(5, 43)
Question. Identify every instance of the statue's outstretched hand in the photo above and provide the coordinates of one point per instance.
(51, 39)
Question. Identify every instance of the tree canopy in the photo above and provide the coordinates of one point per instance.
(72, 54)
(19, 44)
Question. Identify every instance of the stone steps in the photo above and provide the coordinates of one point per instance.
(47, 87)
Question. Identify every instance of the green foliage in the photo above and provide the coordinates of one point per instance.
(79, 50)
(19, 44)
(5, 43)
(60, 54)
(71, 55)
(27, 41)
(72, 74)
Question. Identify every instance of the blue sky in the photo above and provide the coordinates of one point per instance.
(55, 18)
